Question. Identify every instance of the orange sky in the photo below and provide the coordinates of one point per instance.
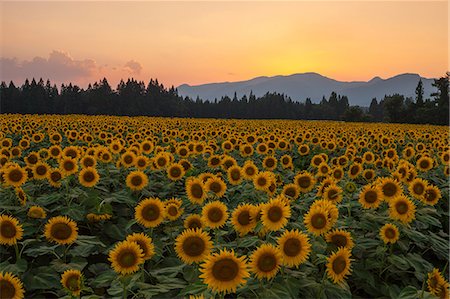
(201, 42)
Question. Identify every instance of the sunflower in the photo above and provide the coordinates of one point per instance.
(216, 186)
(333, 193)
(286, 162)
(337, 173)
(173, 211)
(71, 280)
(417, 188)
(36, 212)
(275, 213)
(249, 170)
(424, 163)
(193, 246)
(137, 180)
(10, 230)
(305, 181)
(68, 166)
(61, 230)
(15, 176)
(144, 242)
(243, 219)
(329, 207)
(88, 161)
(368, 174)
(323, 185)
(317, 220)
(338, 265)
(40, 170)
(193, 221)
(175, 171)
(340, 238)
(354, 170)
(88, 177)
(214, 214)
(262, 181)
(11, 286)
(390, 188)
(370, 197)
(150, 212)
(291, 191)
(269, 163)
(54, 177)
(303, 150)
(195, 190)
(214, 161)
(21, 196)
(234, 174)
(402, 208)
(436, 282)
(431, 195)
(265, 261)
(224, 271)
(294, 247)
(389, 233)
(128, 159)
(126, 257)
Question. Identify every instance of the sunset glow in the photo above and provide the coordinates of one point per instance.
(201, 42)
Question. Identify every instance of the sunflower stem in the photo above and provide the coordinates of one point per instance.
(321, 285)
(16, 248)
(423, 289)
(124, 288)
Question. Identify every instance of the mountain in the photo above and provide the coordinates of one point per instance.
(314, 86)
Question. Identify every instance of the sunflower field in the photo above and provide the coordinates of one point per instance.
(139, 207)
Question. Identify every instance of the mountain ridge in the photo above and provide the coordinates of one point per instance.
(300, 86)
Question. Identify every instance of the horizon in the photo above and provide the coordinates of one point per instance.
(203, 42)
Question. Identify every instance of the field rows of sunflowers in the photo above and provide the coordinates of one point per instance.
(120, 207)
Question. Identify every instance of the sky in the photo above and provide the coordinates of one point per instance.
(215, 41)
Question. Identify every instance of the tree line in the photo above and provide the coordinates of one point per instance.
(133, 98)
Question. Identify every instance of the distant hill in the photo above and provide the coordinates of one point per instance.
(312, 85)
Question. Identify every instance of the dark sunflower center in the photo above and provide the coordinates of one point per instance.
(175, 172)
(270, 162)
(215, 161)
(161, 161)
(197, 191)
(88, 162)
(32, 159)
(250, 171)
(128, 159)
(354, 170)
(136, 180)
(389, 189)
(275, 214)
(8, 289)
(244, 218)
(215, 214)
(332, 194)
(61, 231)
(173, 211)
(150, 212)
(215, 187)
(370, 196)
(68, 165)
(290, 192)
(368, 175)
(194, 246)
(401, 207)
(41, 170)
(262, 181)
(195, 224)
(318, 221)
(15, 175)
(304, 182)
(247, 150)
(339, 240)
(430, 195)
(143, 246)
(418, 188)
(390, 233)
(424, 164)
(339, 265)
(8, 229)
(146, 147)
(55, 176)
(71, 153)
(292, 247)
(267, 262)
(89, 176)
(72, 283)
(127, 259)
(235, 175)
(225, 269)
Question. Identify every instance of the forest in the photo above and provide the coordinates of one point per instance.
(133, 98)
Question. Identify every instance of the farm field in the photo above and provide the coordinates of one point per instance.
(139, 207)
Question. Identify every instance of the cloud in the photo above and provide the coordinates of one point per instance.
(59, 66)
(133, 67)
